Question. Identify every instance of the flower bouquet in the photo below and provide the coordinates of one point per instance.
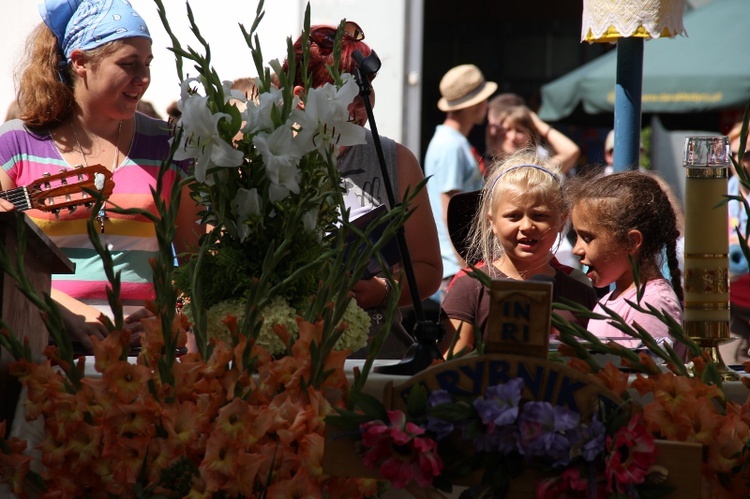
(242, 414)
(440, 440)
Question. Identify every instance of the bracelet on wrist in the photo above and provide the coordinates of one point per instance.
(387, 285)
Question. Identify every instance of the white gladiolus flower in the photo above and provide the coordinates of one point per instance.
(257, 115)
(281, 159)
(245, 205)
(200, 136)
(325, 120)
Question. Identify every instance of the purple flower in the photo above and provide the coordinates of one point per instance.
(548, 432)
(498, 410)
(440, 427)
(438, 397)
(504, 439)
(593, 438)
(500, 405)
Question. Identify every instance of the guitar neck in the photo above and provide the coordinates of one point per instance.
(19, 196)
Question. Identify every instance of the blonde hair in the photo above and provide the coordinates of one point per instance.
(524, 173)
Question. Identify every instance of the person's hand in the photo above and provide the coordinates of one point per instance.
(134, 325)
(370, 293)
(6, 205)
(82, 323)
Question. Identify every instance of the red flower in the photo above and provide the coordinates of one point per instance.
(400, 451)
(631, 451)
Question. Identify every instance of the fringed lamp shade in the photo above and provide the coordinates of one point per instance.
(607, 20)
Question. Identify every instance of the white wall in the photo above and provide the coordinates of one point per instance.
(382, 22)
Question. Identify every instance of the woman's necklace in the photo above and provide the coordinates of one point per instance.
(101, 217)
(524, 274)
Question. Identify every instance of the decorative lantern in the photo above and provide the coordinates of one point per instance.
(706, 280)
(607, 20)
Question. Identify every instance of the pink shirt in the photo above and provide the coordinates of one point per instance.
(658, 293)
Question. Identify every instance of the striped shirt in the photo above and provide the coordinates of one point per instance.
(26, 156)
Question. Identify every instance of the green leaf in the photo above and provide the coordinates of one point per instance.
(346, 420)
(370, 406)
(416, 405)
(458, 411)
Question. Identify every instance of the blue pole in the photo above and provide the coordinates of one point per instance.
(628, 89)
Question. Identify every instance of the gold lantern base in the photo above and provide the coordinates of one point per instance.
(709, 335)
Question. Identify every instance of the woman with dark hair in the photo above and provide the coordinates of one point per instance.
(365, 186)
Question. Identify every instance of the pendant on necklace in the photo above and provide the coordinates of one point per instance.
(101, 217)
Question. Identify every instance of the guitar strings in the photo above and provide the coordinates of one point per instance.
(15, 196)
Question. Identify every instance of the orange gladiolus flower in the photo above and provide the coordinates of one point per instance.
(70, 410)
(334, 363)
(53, 451)
(138, 418)
(308, 333)
(352, 487)
(128, 454)
(258, 426)
(311, 453)
(301, 485)
(109, 350)
(280, 462)
(613, 378)
(152, 340)
(43, 382)
(162, 453)
(283, 372)
(283, 333)
(13, 468)
(706, 422)
(180, 422)
(83, 446)
(579, 365)
(217, 364)
(228, 468)
(725, 448)
(232, 419)
(126, 381)
(291, 416)
(673, 423)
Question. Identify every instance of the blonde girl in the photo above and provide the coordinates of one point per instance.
(617, 218)
(521, 214)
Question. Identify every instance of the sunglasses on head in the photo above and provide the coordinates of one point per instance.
(325, 36)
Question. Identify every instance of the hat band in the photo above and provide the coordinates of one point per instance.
(468, 96)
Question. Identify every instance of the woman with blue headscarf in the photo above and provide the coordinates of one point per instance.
(87, 67)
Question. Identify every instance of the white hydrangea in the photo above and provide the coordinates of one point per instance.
(279, 312)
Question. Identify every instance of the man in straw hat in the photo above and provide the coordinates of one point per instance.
(451, 162)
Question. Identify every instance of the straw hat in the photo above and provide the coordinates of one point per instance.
(464, 86)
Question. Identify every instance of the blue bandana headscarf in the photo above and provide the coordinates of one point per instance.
(87, 24)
